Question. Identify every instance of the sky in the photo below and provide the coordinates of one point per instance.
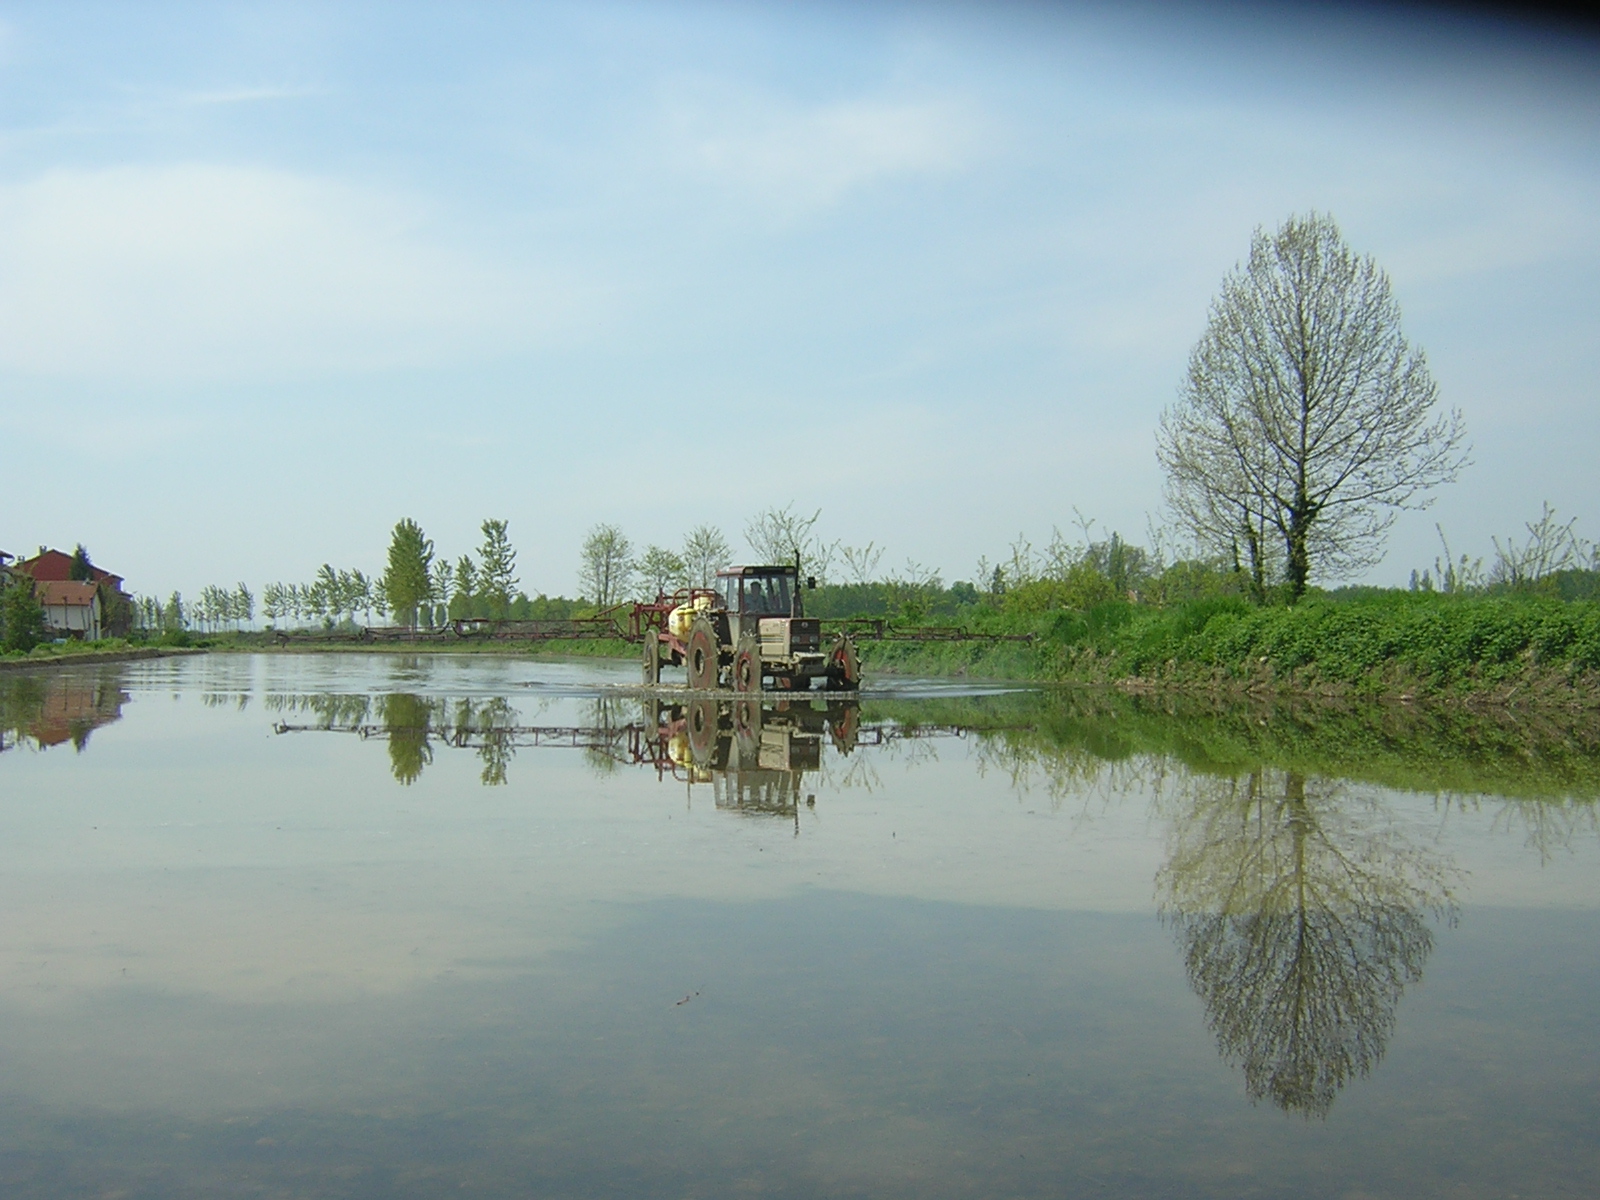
(274, 276)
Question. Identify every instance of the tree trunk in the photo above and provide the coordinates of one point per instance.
(1298, 568)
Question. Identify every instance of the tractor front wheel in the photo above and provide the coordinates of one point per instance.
(652, 659)
(747, 666)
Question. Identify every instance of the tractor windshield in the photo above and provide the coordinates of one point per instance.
(767, 595)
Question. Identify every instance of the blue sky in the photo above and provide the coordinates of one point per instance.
(274, 276)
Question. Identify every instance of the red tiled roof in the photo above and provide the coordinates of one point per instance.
(53, 566)
(64, 593)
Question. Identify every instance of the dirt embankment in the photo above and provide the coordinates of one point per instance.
(130, 654)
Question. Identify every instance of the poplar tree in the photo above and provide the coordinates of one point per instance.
(496, 582)
(406, 585)
(466, 587)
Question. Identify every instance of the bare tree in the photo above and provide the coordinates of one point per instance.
(661, 570)
(1551, 547)
(1307, 419)
(780, 535)
(705, 552)
(607, 567)
(862, 561)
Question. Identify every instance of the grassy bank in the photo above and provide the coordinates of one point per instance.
(101, 650)
(1376, 644)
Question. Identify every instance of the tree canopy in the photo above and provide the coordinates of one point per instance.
(607, 566)
(1306, 420)
(407, 583)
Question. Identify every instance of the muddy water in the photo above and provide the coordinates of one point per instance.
(375, 927)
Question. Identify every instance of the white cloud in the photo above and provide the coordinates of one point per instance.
(226, 272)
(248, 95)
(802, 159)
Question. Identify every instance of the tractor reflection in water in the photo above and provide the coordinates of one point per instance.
(755, 755)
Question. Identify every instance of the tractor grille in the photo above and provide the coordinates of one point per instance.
(805, 634)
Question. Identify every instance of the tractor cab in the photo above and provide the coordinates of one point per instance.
(760, 592)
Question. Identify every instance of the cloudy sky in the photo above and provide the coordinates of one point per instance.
(275, 276)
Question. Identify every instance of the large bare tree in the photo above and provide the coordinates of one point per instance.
(782, 535)
(705, 552)
(1306, 421)
(607, 567)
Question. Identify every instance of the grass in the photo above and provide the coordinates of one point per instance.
(1382, 643)
(87, 651)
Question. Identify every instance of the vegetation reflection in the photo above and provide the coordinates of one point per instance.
(1303, 911)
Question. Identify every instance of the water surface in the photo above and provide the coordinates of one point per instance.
(352, 926)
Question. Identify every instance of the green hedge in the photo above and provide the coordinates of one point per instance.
(1434, 641)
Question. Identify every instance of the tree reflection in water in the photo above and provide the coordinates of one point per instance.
(407, 718)
(1303, 912)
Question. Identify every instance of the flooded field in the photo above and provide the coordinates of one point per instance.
(370, 926)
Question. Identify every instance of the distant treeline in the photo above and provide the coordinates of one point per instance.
(1066, 574)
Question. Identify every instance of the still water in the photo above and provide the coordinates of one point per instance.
(353, 926)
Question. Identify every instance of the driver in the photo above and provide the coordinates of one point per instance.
(755, 599)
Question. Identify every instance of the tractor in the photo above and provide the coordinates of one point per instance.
(749, 627)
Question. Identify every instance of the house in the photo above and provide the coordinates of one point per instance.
(71, 609)
(52, 566)
(114, 609)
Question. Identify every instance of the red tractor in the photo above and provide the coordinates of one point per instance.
(749, 627)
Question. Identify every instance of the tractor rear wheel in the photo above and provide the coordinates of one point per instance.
(747, 666)
(700, 656)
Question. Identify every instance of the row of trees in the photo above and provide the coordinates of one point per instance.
(331, 597)
(610, 570)
(420, 589)
(220, 607)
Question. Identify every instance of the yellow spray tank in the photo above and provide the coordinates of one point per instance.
(680, 619)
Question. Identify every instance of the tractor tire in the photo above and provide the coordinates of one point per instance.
(700, 656)
(844, 723)
(746, 673)
(747, 732)
(844, 668)
(701, 725)
(652, 660)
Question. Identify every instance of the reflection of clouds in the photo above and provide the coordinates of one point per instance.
(1302, 908)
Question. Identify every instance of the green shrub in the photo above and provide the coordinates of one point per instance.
(21, 618)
